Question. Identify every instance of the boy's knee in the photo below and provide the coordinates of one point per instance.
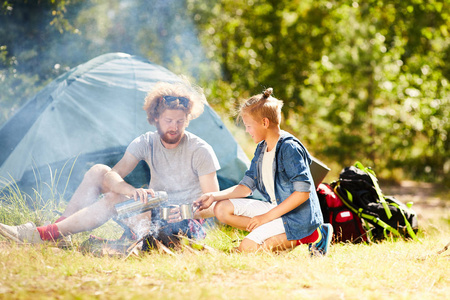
(223, 209)
(248, 245)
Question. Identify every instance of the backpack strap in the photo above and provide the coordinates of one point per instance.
(408, 225)
(360, 212)
(368, 230)
(372, 176)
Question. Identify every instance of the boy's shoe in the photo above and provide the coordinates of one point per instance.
(320, 248)
(22, 234)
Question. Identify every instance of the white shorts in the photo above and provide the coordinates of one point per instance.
(251, 208)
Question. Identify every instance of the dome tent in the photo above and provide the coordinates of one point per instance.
(89, 115)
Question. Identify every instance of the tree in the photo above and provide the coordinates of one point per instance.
(26, 59)
(360, 81)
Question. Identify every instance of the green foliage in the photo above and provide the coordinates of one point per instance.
(359, 80)
(364, 80)
(27, 55)
(15, 86)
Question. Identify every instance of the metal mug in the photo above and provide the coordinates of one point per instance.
(187, 211)
(165, 211)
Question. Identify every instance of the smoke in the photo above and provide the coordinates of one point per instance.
(143, 224)
(161, 31)
(144, 227)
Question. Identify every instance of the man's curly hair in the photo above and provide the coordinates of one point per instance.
(155, 104)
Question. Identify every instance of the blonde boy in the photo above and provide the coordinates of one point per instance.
(290, 213)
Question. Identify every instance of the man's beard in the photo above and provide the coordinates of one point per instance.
(165, 137)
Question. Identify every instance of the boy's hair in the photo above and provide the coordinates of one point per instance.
(178, 95)
(263, 106)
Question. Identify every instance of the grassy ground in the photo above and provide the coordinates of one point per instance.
(395, 270)
(391, 269)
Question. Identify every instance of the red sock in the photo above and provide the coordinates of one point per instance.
(49, 232)
(60, 219)
(310, 238)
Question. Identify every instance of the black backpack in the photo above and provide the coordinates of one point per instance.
(358, 188)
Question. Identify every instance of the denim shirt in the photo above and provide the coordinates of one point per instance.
(291, 173)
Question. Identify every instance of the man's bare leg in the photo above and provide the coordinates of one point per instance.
(85, 219)
(88, 191)
(92, 216)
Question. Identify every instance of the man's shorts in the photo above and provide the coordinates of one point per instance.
(251, 208)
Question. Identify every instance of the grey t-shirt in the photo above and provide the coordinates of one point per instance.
(177, 170)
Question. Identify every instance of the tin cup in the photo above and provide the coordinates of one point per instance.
(165, 211)
(187, 211)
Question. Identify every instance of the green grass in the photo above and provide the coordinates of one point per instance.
(395, 270)
(391, 269)
(18, 207)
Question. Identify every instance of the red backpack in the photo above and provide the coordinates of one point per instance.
(346, 224)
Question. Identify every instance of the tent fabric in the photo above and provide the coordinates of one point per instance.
(89, 115)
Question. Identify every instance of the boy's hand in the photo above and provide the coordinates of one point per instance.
(204, 202)
(257, 221)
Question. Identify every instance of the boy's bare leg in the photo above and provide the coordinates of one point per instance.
(92, 216)
(278, 243)
(247, 245)
(88, 191)
(275, 243)
(224, 212)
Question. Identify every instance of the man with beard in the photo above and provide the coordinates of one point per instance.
(180, 163)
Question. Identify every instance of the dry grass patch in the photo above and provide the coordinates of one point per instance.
(395, 270)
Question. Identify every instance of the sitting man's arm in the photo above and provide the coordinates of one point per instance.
(114, 179)
(209, 183)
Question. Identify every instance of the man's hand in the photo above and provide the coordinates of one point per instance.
(142, 194)
(257, 221)
(204, 202)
